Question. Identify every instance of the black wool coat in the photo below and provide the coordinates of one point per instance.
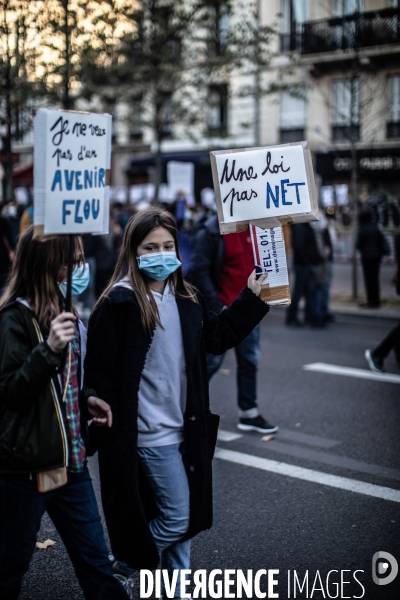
(116, 354)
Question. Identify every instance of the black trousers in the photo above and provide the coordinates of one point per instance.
(371, 279)
(389, 343)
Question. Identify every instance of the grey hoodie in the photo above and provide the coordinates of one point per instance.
(162, 390)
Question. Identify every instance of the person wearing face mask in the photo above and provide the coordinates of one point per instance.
(10, 213)
(43, 420)
(147, 341)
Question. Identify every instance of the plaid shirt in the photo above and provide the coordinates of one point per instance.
(77, 452)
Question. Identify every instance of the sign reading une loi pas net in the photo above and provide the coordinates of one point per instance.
(72, 158)
(267, 187)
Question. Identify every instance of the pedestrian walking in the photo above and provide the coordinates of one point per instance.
(147, 340)
(307, 261)
(322, 273)
(220, 268)
(377, 356)
(372, 246)
(43, 429)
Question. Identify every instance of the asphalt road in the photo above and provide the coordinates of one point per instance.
(280, 510)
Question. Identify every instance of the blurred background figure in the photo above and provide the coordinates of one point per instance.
(104, 250)
(307, 263)
(376, 357)
(372, 245)
(184, 223)
(10, 213)
(178, 208)
(26, 219)
(322, 272)
(7, 247)
(221, 266)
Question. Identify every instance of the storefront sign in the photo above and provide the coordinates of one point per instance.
(369, 162)
(72, 156)
(267, 187)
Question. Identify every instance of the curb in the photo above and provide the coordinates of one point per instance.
(375, 313)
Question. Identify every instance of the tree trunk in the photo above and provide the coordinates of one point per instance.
(8, 182)
(65, 99)
(257, 86)
(353, 191)
(157, 171)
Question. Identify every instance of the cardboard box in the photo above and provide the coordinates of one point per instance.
(270, 257)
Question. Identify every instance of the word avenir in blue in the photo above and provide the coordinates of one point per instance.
(76, 180)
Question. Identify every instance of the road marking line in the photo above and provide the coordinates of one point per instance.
(228, 436)
(273, 466)
(350, 372)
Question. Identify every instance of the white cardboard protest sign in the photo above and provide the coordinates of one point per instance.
(72, 159)
(270, 257)
(181, 177)
(267, 187)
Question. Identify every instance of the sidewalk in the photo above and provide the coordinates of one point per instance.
(342, 302)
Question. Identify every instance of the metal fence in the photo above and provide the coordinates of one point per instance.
(360, 30)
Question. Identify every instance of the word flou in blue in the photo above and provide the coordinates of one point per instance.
(80, 210)
(74, 180)
(275, 198)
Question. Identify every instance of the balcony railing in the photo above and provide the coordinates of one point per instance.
(360, 30)
(393, 130)
(345, 133)
(286, 136)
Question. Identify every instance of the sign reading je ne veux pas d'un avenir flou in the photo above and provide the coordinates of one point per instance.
(72, 156)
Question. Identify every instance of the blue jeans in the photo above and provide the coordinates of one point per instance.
(247, 357)
(304, 285)
(326, 289)
(165, 471)
(73, 510)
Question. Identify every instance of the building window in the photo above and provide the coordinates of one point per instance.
(346, 110)
(341, 8)
(294, 14)
(217, 109)
(293, 117)
(219, 30)
(393, 124)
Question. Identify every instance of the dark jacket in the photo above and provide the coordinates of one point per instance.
(116, 354)
(304, 245)
(207, 259)
(6, 244)
(34, 434)
(371, 242)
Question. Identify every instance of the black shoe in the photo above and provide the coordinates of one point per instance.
(121, 568)
(329, 318)
(369, 305)
(375, 363)
(257, 424)
(127, 584)
(318, 324)
(294, 323)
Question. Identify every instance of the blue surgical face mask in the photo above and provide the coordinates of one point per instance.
(158, 265)
(80, 281)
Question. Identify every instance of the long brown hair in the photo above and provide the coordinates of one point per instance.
(35, 274)
(139, 227)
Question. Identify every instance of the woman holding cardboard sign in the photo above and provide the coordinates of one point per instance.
(147, 342)
(42, 429)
